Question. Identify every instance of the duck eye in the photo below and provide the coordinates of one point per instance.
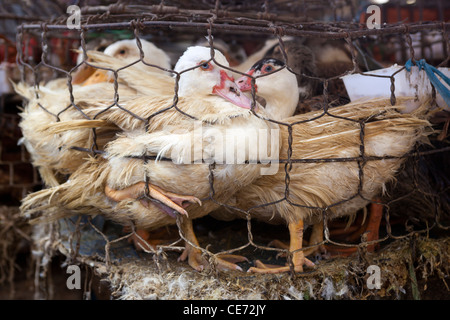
(123, 51)
(205, 65)
(268, 68)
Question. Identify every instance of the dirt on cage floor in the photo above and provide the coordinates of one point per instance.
(415, 267)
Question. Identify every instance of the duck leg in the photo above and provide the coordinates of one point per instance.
(298, 256)
(372, 227)
(142, 240)
(168, 202)
(148, 240)
(315, 238)
(340, 229)
(165, 200)
(194, 255)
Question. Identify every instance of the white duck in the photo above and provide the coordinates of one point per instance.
(259, 54)
(50, 104)
(278, 91)
(116, 185)
(282, 85)
(128, 52)
(319, 185)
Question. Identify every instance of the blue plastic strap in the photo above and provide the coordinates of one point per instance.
(431, 73)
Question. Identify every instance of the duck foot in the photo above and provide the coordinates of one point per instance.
(167, 201)
(298, 257)
(144, 240)
(347, 232)
(261, 267)
(371, 229)
(194, 256)
(315, 238)
(222, 262)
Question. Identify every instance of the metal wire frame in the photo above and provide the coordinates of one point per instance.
(211, 25)
(288, 29)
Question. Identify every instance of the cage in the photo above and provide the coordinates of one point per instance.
(408, 236)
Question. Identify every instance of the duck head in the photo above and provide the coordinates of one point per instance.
(275, 84)
(128, 52)
(200, 75)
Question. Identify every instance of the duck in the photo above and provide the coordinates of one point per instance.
(278, 90)
(312, 66)
(282, 106)
(325, 190)
(272, 76)
(127, 51)
(84, 70)
(51, 103)
(314, 61)
(234, 53)
(333, 59)
(302, 61)
(148, 194)
(258, 55)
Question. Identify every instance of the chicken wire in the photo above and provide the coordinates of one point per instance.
(240, 20)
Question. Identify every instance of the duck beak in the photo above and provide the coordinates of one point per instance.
(82, 74)
(87, 75)
(245, 83)
(229, 90)
(98, 77)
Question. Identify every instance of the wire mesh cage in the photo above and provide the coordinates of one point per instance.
(339, 157)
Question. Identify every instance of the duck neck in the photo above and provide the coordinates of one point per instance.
(282, 107)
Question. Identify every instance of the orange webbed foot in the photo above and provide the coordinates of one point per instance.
(222, 261)
(370, 230)
(144, 240)
(298, 256)
(193, 253)
(167, 201)
(298, 263)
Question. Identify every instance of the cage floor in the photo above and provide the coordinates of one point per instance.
(411, 268)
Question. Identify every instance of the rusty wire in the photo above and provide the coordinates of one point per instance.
(219, 20)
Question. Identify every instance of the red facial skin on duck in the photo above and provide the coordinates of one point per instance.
(230, 91)
(245, 83)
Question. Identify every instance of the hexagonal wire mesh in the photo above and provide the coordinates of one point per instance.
(168, 23)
